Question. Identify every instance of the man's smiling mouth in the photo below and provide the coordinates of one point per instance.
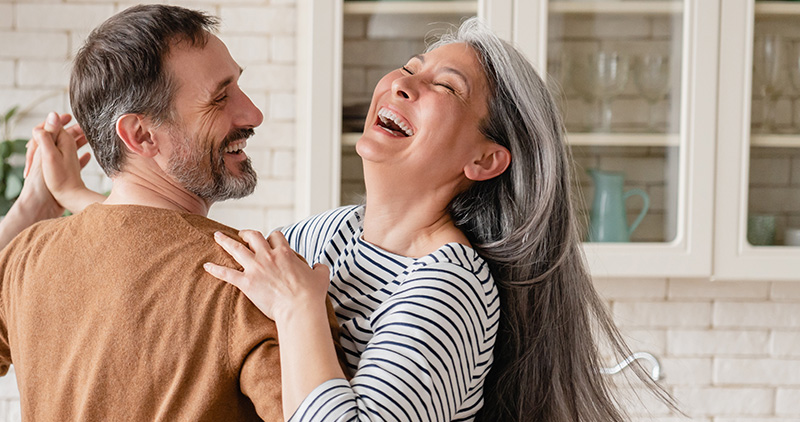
(236, 147)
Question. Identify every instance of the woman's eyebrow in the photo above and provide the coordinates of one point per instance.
(460, 75)
(447, 69)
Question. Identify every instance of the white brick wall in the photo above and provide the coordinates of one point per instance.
(729, 351)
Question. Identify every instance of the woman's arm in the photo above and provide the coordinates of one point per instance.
(427, 348)
(61, 165)
(36, 203)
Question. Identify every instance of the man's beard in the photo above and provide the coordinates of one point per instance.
(204, 174)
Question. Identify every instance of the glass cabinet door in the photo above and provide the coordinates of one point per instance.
(635, 82)
(759, 164)
(617, 70)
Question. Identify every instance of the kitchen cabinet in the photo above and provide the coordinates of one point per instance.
(758, 164)
(680, 132)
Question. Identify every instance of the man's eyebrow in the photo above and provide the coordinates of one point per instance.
(225, 82)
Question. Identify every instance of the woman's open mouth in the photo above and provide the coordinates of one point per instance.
(393, 124)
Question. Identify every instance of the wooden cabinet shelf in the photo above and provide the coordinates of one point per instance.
(775, 141)
(617, 7)
(777, 8)
(409, 7)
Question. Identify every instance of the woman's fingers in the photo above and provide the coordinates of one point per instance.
(255, 240)
(77, 133)
(277, 240)
(240, 253)
(84, 160)
(54, 124)
(226, 274)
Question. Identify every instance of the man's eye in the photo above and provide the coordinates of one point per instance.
(220, 99)
(407, 70)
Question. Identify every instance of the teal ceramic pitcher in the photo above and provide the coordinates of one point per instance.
(609, 221)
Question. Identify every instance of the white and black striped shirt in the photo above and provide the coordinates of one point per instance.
(418, 333)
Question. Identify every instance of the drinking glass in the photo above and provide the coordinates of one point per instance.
(651, 75)
(769, 76)
(599, 77)
(557, 80)
(794, 69)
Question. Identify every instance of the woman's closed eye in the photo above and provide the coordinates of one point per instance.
(446, 86)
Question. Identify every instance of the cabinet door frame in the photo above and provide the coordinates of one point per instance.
(734, 257)
(318, 103)
(690, 253)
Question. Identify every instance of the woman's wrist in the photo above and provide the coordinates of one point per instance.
(308, 354)
(77, 199)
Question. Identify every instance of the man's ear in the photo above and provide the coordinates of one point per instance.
(134, 131)
(494, 161)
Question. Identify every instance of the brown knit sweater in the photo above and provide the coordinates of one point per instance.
(109, 315)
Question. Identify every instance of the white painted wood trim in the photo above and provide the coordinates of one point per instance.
(318, 125)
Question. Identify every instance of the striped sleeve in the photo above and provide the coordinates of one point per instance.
(429, 349)
(308, 236)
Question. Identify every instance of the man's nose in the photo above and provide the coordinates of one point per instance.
(248, 114)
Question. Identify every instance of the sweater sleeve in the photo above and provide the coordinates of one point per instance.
(254, 354)
(428, 356)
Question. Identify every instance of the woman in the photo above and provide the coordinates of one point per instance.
(463, 152)
(460, 286)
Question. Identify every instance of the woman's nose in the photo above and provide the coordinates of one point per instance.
(403, 87)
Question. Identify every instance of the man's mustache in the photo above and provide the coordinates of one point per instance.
(236, 135)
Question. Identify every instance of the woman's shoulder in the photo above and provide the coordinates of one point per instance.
(455, 268)
(350, 215)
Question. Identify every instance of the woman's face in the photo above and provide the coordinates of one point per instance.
(424, 118)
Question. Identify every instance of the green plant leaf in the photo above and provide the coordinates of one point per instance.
(10, 113)
(5, 205)
(5, 149)
(14, 183)
(19, 146)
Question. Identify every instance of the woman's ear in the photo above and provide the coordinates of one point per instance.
(494, 161)
(134, 131)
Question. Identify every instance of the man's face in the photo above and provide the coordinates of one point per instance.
(212, 120)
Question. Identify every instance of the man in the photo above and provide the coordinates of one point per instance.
(108, 314)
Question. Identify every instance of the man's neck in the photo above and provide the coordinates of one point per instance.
(151, 189)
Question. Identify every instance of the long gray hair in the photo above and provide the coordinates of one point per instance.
(546, 364)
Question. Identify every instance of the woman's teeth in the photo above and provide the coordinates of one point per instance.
(392, 123)
(236, 146)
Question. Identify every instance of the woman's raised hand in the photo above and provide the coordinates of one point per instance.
(61, 165)
(275, 278)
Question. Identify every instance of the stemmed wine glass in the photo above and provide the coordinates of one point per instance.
(557, 75)
(794, 69)
(651, 75)
(599, 77)
(769, 76)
